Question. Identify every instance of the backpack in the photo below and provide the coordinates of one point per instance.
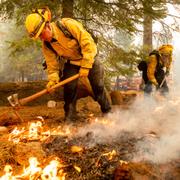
(143, 65)
(69, 35)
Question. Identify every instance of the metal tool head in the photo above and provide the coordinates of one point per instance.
(13, 100)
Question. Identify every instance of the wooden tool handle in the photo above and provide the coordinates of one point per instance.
(23, 101)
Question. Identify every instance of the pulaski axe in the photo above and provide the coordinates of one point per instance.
(15, 102)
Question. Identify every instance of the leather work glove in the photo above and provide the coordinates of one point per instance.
(83, 72)
(53, 79)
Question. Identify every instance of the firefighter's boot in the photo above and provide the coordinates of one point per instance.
(71, 114)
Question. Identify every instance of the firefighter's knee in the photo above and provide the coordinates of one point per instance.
(98, 92)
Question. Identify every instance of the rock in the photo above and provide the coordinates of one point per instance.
(51, 104)
(3, 129)
(124, 97)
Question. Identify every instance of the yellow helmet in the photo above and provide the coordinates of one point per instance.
(36, 21)
(166, 49)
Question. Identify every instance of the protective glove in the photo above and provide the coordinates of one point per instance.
(50, 84)
(53, 79)
(83, 72)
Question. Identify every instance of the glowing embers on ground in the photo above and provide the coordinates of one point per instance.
(104, 121)
(52, 171)
(76, 149)
(16, 135)
(36, 132)
(63, 131)
(110, 155)
(39, 131)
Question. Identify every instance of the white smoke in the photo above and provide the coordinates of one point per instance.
(165, 122)
(157, 122)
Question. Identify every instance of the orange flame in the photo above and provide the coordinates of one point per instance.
(8, 173)
(103, 121)
(16, 135)
(63, 131)
(35, 130)
(53, 171)
(32, 171)
(35, 133)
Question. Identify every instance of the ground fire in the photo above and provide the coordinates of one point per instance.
(111, 147)
(89, 90)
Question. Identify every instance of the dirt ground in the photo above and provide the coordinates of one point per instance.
(92, 161)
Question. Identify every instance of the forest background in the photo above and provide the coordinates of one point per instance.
(116, 24)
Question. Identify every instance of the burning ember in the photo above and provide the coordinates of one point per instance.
(8, 173)
(93, 151)
(76, 149)
(104, 121)
(16, 135)
(110, 155)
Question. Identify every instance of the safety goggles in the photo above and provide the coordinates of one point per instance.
(32, 34)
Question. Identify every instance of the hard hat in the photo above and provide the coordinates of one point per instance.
(36, 21)
(166, 49)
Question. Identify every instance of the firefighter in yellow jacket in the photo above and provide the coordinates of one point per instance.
(66, 56)
(158, 68)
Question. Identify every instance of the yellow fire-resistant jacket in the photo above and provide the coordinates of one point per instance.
(152, 67)
(80, 51)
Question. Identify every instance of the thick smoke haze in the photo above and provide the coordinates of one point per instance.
(157, 122)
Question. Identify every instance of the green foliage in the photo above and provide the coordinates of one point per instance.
(121, 14)
(17, 57)
(121, 62)
(118, 16)
(19, 9)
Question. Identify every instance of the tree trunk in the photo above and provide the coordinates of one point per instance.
(67, 6)
(22, 76)
(147, 36)
(176, 1)
(116, 87)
